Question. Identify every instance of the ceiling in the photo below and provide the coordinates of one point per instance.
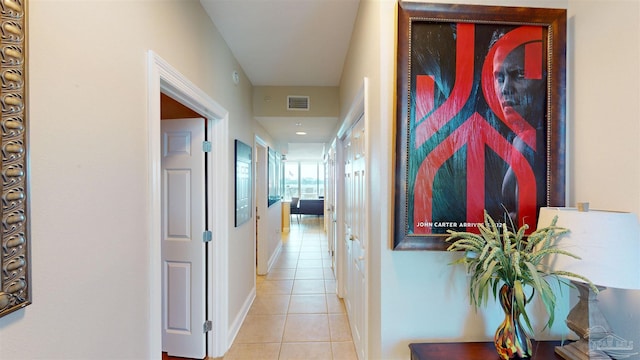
(288, 43)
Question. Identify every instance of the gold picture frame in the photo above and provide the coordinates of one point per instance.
(15, 278)
(463, 131)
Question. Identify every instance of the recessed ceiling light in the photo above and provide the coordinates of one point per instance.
(301, 133)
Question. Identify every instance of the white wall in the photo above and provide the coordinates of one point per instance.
(89, 186)
(605, 126)
(363, 60)
(274, 233)
(416, 296)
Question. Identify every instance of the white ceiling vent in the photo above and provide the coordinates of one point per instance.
(297, 102)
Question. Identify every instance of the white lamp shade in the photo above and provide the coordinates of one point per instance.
(607, 242)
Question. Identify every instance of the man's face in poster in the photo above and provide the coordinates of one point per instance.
(518, 92)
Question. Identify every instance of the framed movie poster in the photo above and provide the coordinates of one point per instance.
(480, 118)
(243, 183)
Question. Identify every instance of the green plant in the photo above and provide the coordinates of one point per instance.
(498, 255)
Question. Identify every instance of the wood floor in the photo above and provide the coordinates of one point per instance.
(296, 314)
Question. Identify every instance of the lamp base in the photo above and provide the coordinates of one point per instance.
(579, 350)
(588, 322)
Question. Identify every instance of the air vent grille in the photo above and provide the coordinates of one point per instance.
(297, 103)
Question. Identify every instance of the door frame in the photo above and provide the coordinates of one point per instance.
(162, 77)
(260, 160)
(357, 110)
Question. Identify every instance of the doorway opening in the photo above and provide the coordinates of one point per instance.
(164, 79)
(262, 265)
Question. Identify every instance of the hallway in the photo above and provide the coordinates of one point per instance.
(296, 313)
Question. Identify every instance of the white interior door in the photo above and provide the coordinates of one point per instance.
(355, 235)
(183, 224)
(348, 223)
(330, 221)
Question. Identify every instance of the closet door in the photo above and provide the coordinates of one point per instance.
(355, 233)
(183, 249)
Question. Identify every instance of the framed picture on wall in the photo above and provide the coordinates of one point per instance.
(480, 118)
(275, 183)
(243, 183)
(15, 242)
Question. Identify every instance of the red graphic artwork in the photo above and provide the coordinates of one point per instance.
(510, 80)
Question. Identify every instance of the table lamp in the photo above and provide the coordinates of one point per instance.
(608, 244)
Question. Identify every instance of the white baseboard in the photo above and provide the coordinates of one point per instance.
(236, 324)
(274, 256)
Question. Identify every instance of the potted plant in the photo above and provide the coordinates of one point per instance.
(507, 264)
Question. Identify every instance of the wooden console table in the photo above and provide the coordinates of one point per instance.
(542, 350)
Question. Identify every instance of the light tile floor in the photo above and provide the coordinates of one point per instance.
(296, 314)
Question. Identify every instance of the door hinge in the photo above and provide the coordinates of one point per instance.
(207, 326)
(206, 146)
(207, 236)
